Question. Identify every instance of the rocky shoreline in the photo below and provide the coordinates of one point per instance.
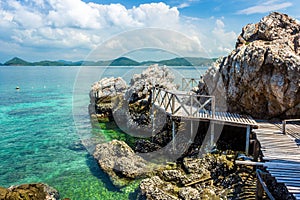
(260, 78)
(34, 191)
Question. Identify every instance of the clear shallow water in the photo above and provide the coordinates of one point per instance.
(41, 131)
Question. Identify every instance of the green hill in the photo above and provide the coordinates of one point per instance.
(185, 61)
(17, 62)
(123, 61)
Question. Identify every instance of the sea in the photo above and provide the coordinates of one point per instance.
(45, 130)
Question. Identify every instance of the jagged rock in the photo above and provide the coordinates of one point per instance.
(173, 175)
(145, 146)
(36, 191)
(102, 94)
(261, 77)
(120, 162)
(210, 177)
(156, 189)
(133, 112)
(154, 75)
(189, 193)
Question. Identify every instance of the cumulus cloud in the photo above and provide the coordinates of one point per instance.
(268, 6)
(72, 28)
(223, 40)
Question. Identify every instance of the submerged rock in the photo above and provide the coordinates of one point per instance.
(261, 77)
(36, 191)
(120, 162)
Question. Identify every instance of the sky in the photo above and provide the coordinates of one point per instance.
(76, 30)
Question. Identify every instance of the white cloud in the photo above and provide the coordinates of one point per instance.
(183, 5)
(265, 7)
(223, 40)
(72, 28)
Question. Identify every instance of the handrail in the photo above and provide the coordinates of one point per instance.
(187, 82)
(284, 122)
(190, 104)
(263, 185)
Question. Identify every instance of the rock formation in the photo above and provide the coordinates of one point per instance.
(212, 177)
(132, 113)
(36, 191)
(102, 94)
(141, 84)
(261, 76)
(120, 162)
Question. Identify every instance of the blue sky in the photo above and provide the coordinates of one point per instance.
(103, 29)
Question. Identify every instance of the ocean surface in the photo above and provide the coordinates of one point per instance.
(45, 129)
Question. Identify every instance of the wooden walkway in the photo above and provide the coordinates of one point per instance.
(181, 104)
(197, 107)
(281, 153)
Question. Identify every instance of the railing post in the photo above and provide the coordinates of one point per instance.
(213, 105)
(173, 104)
(191, 108)
(247, 140)
(212, 134)
(173, 135)
(193, 80)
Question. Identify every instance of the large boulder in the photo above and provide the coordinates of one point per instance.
(261, 77)
(36, 191)
(120, 162)
(102, 95)
(142, 84)
(132, 113)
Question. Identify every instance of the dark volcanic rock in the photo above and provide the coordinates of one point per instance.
(261, 77)
(37, 191)
(120, 162)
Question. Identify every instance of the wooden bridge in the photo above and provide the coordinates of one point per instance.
(279, 145)
(185, 105)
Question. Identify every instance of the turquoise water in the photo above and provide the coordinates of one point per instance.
(44, 125)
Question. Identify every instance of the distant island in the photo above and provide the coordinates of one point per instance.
(122, 61)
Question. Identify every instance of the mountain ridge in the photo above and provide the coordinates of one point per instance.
(121, 61)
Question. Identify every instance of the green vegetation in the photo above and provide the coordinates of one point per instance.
(17, 62)
(122, 61)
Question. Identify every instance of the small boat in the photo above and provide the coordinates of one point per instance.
(17, 88)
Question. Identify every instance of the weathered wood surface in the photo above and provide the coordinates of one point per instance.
(281, 153)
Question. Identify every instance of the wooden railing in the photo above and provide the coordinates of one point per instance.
(285, 122)
(189, 83)
(184, 104)
(261, 186)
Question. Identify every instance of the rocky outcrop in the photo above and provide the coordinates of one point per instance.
(132, 113)
(38, 191)
(261, 77)
(142, 84)
(120, 162)
(102, 94)
(212, 177)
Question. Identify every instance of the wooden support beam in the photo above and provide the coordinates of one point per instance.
(247, 139)
(173, 135)
(212, 134)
